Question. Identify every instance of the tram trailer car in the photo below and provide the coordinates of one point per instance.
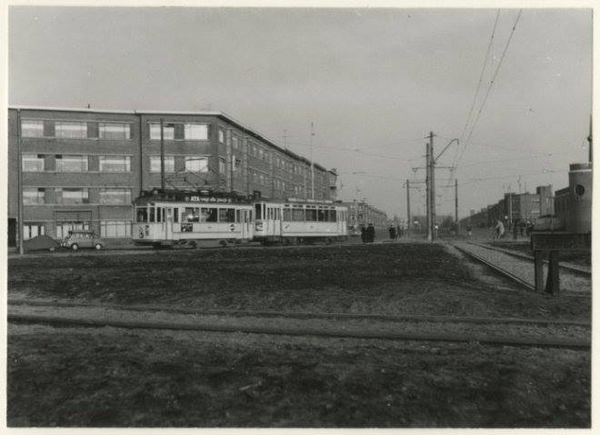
(170, 218)
(297, 221)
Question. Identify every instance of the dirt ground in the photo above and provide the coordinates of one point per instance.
(118, 378)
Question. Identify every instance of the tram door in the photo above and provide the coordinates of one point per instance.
(168, 222)
(246, 223)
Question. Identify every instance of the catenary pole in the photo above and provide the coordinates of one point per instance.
(456, 204)
(20, 185)
(432, 185)
(408, 220)
(162, 154)
(428, 190)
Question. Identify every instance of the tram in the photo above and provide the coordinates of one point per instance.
(169, 218)
(296, 221)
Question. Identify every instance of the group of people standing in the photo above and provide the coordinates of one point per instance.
(367, 234)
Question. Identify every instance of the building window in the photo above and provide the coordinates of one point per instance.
(235, 142)
(237, 163)
(195, 131)
(196, 164)
(221, 136)
(155, 164)
(63, 228)
(168, 131)
(71, 163)
(32, 128)
(34, 196)
(115, 229)
(33, 162)
(72, 195)
(114, 163)
(222, 168)
(31, 230)
(114, 131)
(114, 196)
(70, 130)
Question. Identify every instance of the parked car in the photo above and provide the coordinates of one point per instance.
(82, 239)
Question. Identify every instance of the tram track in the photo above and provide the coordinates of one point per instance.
(568, 267)
(523, 279)
(513, 332)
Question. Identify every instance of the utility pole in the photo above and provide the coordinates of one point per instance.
(312, 165)
(428, 187)
(408, 219)
(590, 141)
(456, 204)
(20, 185)
(162, 155)
(431, 160)
(430, 181)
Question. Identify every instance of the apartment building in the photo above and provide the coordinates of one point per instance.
(81, 168)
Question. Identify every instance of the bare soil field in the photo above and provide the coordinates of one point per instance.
(113, 377)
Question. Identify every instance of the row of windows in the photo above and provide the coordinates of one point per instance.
(108, 229)
(35, 128)
(75, 195)
(80, 163)
(76, 163)
(75, 129)
(179, 131)
(32, 128)
(189, 214)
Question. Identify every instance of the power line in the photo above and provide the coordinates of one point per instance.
(485, 62)
(491, 85)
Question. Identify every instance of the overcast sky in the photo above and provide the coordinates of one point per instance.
(373, 81)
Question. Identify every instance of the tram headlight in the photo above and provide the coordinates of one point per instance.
(259, 226)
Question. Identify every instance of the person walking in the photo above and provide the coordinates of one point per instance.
(392, 231)
(370, 233)
(499, 229)
(363, 233)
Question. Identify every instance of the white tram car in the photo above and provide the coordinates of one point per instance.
(168, 218)
(299, 221)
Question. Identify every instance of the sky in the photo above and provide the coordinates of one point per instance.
(514, 86)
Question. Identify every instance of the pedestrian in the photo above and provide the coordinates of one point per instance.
(398, 231)
(392, 231)
(370, 233)
(469, 231)
(363, 233)
(499, 229)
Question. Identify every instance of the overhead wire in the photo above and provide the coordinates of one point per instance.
(466, 144)
(485, 62)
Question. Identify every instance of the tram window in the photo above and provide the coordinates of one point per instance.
(210, 213)
(287, 214)
(152, 214)
(311, 215)
(298, 215)
(322, 215)
(176, 214)
(238, 215)
(332, 216)
(258, 208)
(192, 214)
(226, 215)
(142, 214)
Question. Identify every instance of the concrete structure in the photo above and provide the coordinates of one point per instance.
(82, 168)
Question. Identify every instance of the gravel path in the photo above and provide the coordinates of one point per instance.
(570, 283)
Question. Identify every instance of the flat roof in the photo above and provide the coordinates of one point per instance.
(221, 115)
